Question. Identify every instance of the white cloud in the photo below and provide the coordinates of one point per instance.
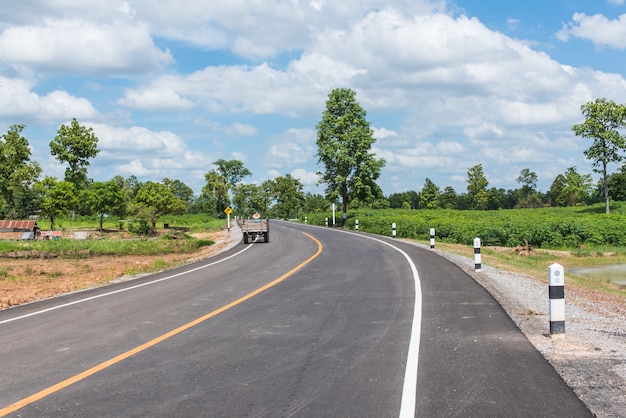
(76, 46)
(597, 29)
(383, 133)
(308, 178)
(18, 101)
(144, 153)
(443, 92)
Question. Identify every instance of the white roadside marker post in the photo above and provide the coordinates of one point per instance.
(477, 259)
(356, 225)
(393, 230)
(432, 238)
(556, 293)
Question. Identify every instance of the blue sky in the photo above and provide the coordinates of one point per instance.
(171, 86)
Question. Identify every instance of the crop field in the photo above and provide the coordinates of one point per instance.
(550, 228)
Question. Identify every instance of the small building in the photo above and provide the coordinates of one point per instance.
(19, 229)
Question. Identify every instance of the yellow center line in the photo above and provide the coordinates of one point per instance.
(83, 375)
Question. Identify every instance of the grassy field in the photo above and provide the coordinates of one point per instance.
(117, 241)
(582, 236)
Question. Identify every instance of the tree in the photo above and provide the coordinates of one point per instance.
(180, 190)
(570, 188)
(286, 192)
(604, 120)
(154, 200)
(528, 180)
(233, 170)
(248, 198)
(448, 198)
(617, 185)
(398, 200)
(59, 197)
(75, 145)
(315, 203)
(429, 196)
(17, 172)
(344, 140)
(216, 190)
(105, 198)
(528, 197)
(221, 180)
(477, 187)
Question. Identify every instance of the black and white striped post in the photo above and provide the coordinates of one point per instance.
(393, 230)
(556, 292)
(477, 260)
(327, 222)
(306, 220)
(432, 238)
(356, 225)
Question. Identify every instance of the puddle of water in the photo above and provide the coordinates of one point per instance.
(613, 273)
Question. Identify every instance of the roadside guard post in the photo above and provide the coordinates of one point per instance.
(326, 221)
(556, 292)
(356, 225)
(477, 258)
(432, 238)
(393, 230)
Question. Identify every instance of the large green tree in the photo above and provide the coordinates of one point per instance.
(286, 192)
(106, 198)
(344, 142)
(604, 122)
(221, 180)
(75, 145)
(429, 196)
(180, 190)
(570, 188)
(527, 196)
(477, 187)
(154, 200)
(59, 197)
(617, 184)
(17, 172)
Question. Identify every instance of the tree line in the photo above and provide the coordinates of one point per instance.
(350, 171)
(24, 193)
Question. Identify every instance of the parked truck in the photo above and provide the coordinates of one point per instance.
(254, 227)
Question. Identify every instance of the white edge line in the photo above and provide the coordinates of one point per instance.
(65, 305)
(409, 389)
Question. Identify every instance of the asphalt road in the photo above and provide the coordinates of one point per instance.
(316, 323)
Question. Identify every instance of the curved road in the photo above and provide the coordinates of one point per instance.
(316, 323)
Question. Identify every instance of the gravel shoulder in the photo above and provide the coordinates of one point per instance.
(590, 357)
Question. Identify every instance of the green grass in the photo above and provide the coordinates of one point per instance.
(110, 244)
(536, 265)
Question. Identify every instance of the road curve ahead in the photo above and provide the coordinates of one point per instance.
(316, 323)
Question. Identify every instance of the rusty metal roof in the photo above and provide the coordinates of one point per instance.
(18, 224)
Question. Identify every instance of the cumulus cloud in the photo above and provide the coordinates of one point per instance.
(145, 153)
(196, 80)
(598, 29)
(18, 101)
(76, 46)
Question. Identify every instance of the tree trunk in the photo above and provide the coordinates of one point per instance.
(606, 188)
(344, 203)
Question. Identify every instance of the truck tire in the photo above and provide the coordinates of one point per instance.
(266, 236)
(245, 237)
